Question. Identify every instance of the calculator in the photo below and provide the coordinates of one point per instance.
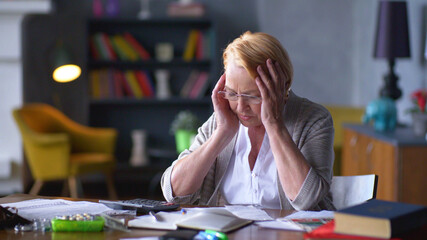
(141, 205)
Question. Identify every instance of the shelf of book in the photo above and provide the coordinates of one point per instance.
(150, 101)
(148, 64)
(123, 80)
(105, 23)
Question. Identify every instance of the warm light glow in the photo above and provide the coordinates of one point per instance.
(66, 73)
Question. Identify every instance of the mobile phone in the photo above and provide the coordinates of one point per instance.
(180, 234)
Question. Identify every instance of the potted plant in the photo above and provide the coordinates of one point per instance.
(184, 127)
(418, 112)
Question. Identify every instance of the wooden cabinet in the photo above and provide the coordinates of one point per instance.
(126, 113)
(399, 159)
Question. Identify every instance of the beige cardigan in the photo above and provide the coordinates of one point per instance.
(311, 128)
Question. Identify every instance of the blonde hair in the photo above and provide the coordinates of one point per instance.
(253, 49)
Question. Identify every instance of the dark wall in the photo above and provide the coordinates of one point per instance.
(68, 21)
(39, 35)
(231, 18)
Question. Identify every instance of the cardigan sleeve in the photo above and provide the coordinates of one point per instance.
(204, 132)
(314, 136)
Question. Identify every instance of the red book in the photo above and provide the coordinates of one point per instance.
(142, 52)
(326, 231)
(144, 84)
(106, 40)
(93, 51)
(118, 89)
(199, 46)
(100, 47)
(150, 82)
(188, 85)
(126, 87)
(199, 86)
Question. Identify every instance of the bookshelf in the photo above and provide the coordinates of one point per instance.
(126, 112)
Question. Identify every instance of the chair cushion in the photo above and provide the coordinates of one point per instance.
(82, 163)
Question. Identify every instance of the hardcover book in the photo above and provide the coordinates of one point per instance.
(105, 39)
(199, 87)
(188, 85)
(142, 52)
(133, 83)
(118, 88)
(326, 231)
(123, 46)
(127, 91)
(380, 219)
(190, 46)
(146, 88)
(101, 47)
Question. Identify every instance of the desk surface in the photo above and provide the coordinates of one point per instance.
(249, 232)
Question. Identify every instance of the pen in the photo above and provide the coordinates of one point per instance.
(153, 214)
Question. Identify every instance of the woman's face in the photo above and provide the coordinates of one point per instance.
(238, 80)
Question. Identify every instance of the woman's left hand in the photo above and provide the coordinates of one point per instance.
(272, 87)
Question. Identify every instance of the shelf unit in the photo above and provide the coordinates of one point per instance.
(152, 114)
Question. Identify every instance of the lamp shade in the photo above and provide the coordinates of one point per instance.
(64, 69)
(392, 39)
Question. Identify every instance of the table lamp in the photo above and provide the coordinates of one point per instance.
(392, 41)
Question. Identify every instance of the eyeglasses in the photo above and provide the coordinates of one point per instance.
(234, 96)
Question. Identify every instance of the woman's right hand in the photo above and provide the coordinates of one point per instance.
(226, 120)
(189, 172)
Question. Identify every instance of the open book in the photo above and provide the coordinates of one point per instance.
(217, 219)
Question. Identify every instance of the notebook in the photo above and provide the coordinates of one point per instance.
(217, 219)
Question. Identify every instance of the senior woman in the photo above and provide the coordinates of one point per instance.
(263, 145)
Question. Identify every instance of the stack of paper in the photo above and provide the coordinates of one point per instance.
(50, 208)
(300, 221)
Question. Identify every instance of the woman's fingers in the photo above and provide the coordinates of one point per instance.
(220, 84)
(281, 77)
(261, 86)
(218, 87)
(264, 78)
(272, 71)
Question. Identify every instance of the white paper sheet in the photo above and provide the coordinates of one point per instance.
(50, 208)
(249, 212)
(280, 225)
(167, 221)
(310, 215)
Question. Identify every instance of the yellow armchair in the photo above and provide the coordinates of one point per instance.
(341, 115)
(59, 148)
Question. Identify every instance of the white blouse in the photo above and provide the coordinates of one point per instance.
(245, 187)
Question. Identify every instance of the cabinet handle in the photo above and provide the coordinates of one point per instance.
(353, 141)
(354, 150)
(369, 149)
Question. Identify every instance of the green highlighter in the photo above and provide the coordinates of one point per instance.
(78, 223)
(219, 235)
